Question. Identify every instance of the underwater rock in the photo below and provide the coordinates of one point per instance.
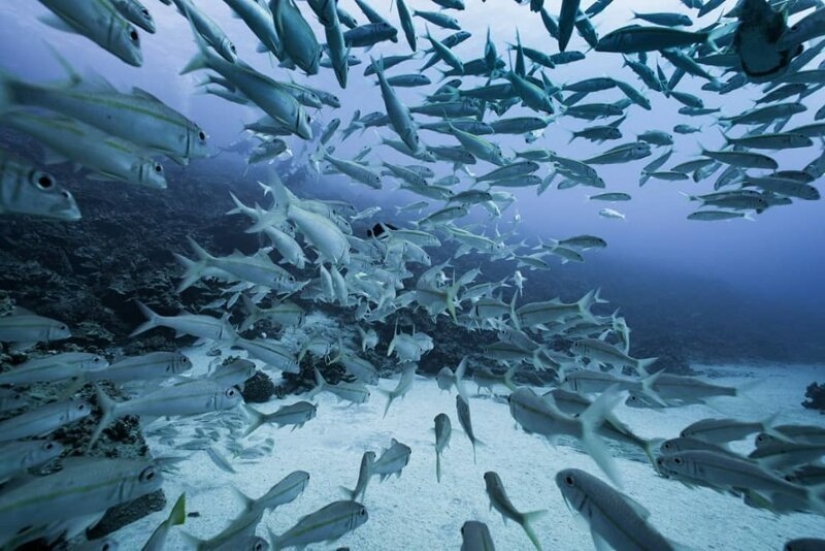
(258, 389)
(815, 394)
(127, 513)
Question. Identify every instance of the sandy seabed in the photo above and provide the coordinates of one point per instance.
(414, 512)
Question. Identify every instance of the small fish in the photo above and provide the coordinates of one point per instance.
(364, 475)
(24, 329)
(502, 504)
(293, 414)
(610, 213)
(475, 536)
(43, 420)
(326, 524)
(463, 409)
(392, 460)
(443, 432)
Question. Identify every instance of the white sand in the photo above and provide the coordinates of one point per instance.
(414, 512)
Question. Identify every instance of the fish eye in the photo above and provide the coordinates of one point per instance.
(259, 545)
(362, 512)
(568, 480)
(48, 446)
(44, 181)
(230, 392)
(202, 136)
(677, 460)
(158, 168)
(133, 35)
(145, 12)
(148, 474)
(232, 48)
(67, 195)
(81, 407)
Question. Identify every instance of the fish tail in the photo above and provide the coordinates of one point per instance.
(642, 365)
(108, 406)
(252, 311)
(438, 467)
(390, 398)
(508, 379)
(152, 321)
(525, 524)
(258, 419)
(459, 379)
(320, 383)
(349, 493)
(592, 418)
(194, 271)
(197, 62)
(649, 391)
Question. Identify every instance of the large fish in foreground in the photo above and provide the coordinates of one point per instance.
(100, 22)
(756, 42)
(615, 519)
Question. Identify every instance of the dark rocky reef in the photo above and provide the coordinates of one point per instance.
(815, 397)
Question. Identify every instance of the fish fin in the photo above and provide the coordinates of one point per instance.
(525, 524)
(320, 383)
(592, 418)
(194, 271)
(642, 365)
(109, 408)
(177, 515)
(152, 321)
(258, 419)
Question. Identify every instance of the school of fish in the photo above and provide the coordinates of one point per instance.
(314, 256)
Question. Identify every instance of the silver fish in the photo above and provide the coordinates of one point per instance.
(326, 524)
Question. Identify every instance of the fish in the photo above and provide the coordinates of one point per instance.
(475, 536)
(207, 29)
(293, 414)
(263, 91)
(188, 398)
(136, 13)
(85, 486)
(55, 368)
(355, 393)
(466, 422)
(201, 326)
(443, 432)
(392, 460)
(17, 457)
(404, 384)
(102, 23)
(501, 502)
(25, 189)
(638, 38)
(23, 329)
(109, 157)
(614, 518)
(757, 41)
(43, 420)
(364, 475)
(328, 523)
